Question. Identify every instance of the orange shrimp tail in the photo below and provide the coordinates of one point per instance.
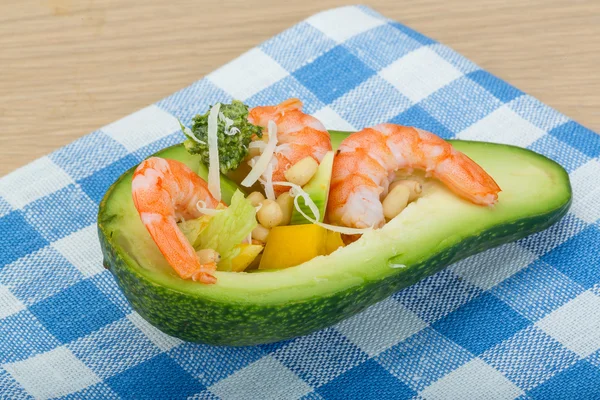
(204, 274)
(470, 181)
(262, 114)
(172, 243)
(289, 105)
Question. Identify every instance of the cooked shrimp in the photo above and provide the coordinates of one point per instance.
(299, 135)
(165, 191)
(366, 162)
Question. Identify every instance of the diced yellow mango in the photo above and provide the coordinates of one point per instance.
(334, 241)
(291, 245)
(244, 258)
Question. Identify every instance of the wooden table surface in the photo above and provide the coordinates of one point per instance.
(68, 67)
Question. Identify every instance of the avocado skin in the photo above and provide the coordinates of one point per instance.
(200, 320)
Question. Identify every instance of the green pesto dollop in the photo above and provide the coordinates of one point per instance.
(234, 134)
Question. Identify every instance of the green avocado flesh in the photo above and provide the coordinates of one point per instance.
(252, 308)
(318, 190)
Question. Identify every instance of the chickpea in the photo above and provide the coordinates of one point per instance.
(260, 233)
(253, 152)
(301, 172)
(270, 214)
(415, 188)
(286, 202)
(390, 188)
(208, 256)
(395, 201)
(255, 198)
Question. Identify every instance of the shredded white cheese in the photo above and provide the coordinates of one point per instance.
(265, 158)
(190, 133)
(257, 144)
(296, 192)
(229, 129)
(201, 206)
(269, 190)
(214, 181)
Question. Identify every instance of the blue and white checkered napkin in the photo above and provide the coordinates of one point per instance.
(522, 320)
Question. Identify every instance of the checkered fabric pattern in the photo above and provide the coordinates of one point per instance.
(518, 321)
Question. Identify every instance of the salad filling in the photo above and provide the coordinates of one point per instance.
(304, 199)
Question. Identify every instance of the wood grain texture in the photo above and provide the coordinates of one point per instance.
(68, 67)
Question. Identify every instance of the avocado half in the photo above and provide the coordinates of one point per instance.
(252, 308)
